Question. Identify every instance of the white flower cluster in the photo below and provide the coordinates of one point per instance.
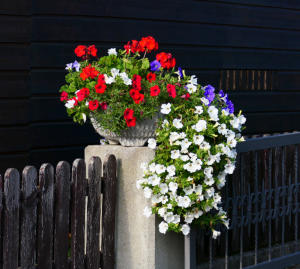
(183, 181)
(114, 73)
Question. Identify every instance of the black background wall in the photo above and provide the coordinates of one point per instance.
(250, 48)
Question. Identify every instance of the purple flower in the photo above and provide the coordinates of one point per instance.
(230, 106)
(76, 65)
(155, 65)
(180, 72)
(209, 93)
(69, 66)
(223, 95)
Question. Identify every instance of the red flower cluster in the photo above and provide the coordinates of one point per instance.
(84, 51)
(147, 44)
(166, 60)
(154, 91)
(82, 94)
(89, 72)
(171, 90)
(129, 118)
(135, 91)
(64, 96)
(100, 87)
(151, 77)
(93, 105)
(103, 105)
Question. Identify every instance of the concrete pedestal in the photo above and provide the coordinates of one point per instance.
(139, 245)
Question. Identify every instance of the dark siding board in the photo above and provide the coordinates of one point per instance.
(288, 80)
(61, 134)
(191, 11)
(13, 112)
(57, 55)
(14, 139)
(16, 30)
(14, 57)
(55, 28)
(14, 84)
(16, 7)
(13, 160)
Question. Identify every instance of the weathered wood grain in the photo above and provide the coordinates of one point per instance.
(62, 208)
(109, 208)
(28, 217)
(93, 213)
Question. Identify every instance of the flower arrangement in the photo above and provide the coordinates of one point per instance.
(194, 151)
(120, 88)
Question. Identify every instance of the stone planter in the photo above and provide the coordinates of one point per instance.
(136, 136)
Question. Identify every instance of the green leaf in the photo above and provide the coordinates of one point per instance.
(145, 63)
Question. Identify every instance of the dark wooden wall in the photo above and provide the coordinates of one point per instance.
(248, 47)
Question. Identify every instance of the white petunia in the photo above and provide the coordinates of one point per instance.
(156, 199)
(70, 103)
(197, 213)
(185, 143)
(147, 212)
(198, 139)
(204, 101)
(151, 143)
(169, 206)
(112, 51)
(188, 190)
(176, 219)
(208, 172)
(193, 80)
(191, 88)
(184, 201)
(190, 167)
(209, 181)
(184, 158)
(175, 154)
(235, 123)
(210, 192)
(173, 186)
(155, 180)
(169, 217)
(173, 137)
(193, 157)
(163, 188)
(165, 108)
(165, 123)
(185, 229)
(215, 234)
(200, 126)
(177, 123)
(205, 146)
(198, 110)
(189, 218)
(213, 113)
(222, 129)
(162, 211)
(242, 119)
(229, 168)
(163, 227)
(139, 183)
(171, 170)
(152, 167)
(198, 189)
(114, 72)
(160, 168)
(84, 117)
(147, 192)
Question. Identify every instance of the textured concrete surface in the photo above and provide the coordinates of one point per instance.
(139, 245)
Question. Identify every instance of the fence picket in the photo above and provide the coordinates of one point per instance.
(45, 222)
(78, 213)
(62, 208)
(109, 205)
(29, 217)
(93, 213)
(11, 219)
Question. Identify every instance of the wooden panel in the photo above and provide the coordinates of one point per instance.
(29, 218)
(46, 55)
(14, 139)
(14, 29)
(14, 84)
(55, 28)
(11, 218)
(45, 228)
(14, 112)
(191, 11)
(16, 7)
(60, 134)
(14, 57)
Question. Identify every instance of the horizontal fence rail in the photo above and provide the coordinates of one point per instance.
(262, 200)
(51, 218)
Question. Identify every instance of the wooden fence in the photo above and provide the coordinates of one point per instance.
(52, 219)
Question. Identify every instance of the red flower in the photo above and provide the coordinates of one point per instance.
(131, 122)
(154, 91)
(93, 105)
(92, 50)
(103, 105)
(166, 60)
(139, 98)
(132, 46)
(101, 79)
(80, 50)
(100, 88)
(134, 93)
(89, 72)
(136, 82)
(171, 90)
(148, 43)
(128, 113)
(186, 96)
(151, 77)
(82, 94)
(64, 96)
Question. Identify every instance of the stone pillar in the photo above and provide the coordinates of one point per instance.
(139, 245)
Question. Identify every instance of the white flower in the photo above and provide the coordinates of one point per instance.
(225, 112)
(165, 108)
(205, 146)
(189, 179)
(70, 103)
(125, 78)
(229, 168)
(215, 234)
(175, 154)
(209, 181)
(151, 143)
(109, 80)
(173, 186)
(177, 123)
(155, 180)
(176, 219)
(169, 217)
(152, 167)
(193, 157)
(164, 199)
(114, 72)
(173, 137)
(231, 142)
(222, 129)
(139, 183)
(147, 192)
(191, 88)
(190, 167)
(242, 119)
(127, 81)
(211, 159)
(198, 110)
(162, 211)
(210, 192)
(188, 190)
(200, 126)
(213, 113)
(208, 172)
(156, 199)
(163, 188)
(147, 212)
(185, 229)
(198, 189)
(84, 117)
(163, 227)
(197, 213)
(198, 164)
(171, 170)
(235, 123)
(198, 139)
(160, 168)
(184, 201)
(169, 206)
(185, 143)
(193, 80)
(204, 101)
(189, 218)
(184, 158)
(165, 123)
(112, 51)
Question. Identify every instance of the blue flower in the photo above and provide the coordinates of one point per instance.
(230, 106)
(76, 65)
(223, 96)
(180, 72)
(155, 65)
(209, 93)
(69, 66)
